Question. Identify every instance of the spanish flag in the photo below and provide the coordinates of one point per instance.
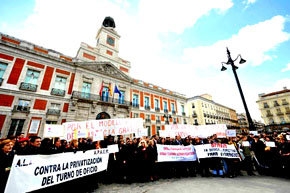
(110, 89)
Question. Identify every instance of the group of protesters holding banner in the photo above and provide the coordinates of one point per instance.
(139, 159)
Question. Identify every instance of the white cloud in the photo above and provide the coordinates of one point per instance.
(287, 68)
(249, 2)
(252, 41)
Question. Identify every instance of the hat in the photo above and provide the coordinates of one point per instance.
(23, 139)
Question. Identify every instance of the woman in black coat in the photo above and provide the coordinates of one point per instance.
(6, 158)
(151, 159)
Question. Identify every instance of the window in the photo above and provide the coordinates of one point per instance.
(172, 107)
(60, 83)
(193, 106)
(16, 127)
(55, 106)
(165, 105)
(156, 103)
(266, 105)
(23, 103)
(31, 76)
(135, 115)
(158, 129)
(122, 97)
(174, 120)
(149, 130)
(135, 100)
(105, 94)
(182, 108)
(146, 100)
(51, 122)
(3, 67)
(148, 117)
(157, 118)
(86, 90)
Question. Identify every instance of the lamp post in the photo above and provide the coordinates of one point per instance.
(234, 68)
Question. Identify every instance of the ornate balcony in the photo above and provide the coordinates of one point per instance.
(57, 92)
(147, 107)
(22, 109)
(28, 86)
(157, 109)
(1, 80)
(147, 120)
(53, 112)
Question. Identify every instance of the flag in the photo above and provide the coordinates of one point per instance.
(110, 89)
(101, 90)
(117, 90)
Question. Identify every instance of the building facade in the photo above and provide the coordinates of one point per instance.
(203, 110)
(274, 107)
(39, 85)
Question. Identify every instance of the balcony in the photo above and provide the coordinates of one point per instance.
(284, 103)
(28, 86)
(147, 108)
(53, 112)
(276, 105)
(22, 109)
(266, 106)
(183, 114)
(194, 115)
(57, 92)
(158, 121)
(134, 105)
(269, 115)
(1, 80)
(157, 109)
(173, 112)
(279, 114)
(165, 110)
(147, 120)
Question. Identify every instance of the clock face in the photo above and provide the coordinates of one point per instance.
(110, 41)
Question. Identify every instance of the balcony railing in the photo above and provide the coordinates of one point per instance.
(97, 98)
(53, 112)
(147, 107)
(284, 103)
(57, 92)
(148, 120)
(158, 121)
(165, 110)
(1, 80)
(276, 105)
(183, 114)
(28, 86)
(134, 105)
(157, 109)
(279, 113)
(194, 115)
(269, 115)
(173, 112)
(19, 108)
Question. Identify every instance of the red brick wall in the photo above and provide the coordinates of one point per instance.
(65, 107)
(6, 57)
(141, 99)
(6, 100)
(142, 115)
(40, 104)
(124, 69)
(109, 52)
(85, 55)
(152, 101)
(62, 72)
(16, 71)
(2, 120)
(72, 79)
(153, 117)
(10, 40)
(35, 64)
(47, 78)
(153, 130)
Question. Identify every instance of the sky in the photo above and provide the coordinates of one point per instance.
(178, 44)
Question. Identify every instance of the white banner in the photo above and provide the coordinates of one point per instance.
(33, 172)
(113, 148)
(216, 150)
(94, 128)
(202, 131)
(51, 130)
(176, 153)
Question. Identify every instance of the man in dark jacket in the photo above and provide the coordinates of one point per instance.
(34, 146)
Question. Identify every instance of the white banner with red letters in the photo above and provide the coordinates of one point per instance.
(96, 129)
(216, 150)
(33, 172)
(175, 153)
(202, 131)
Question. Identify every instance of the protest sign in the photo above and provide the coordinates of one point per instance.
(246, 143)
(288, 137)
(51, 130)
(216, 150)
(141, 132)
(113, 148)
(270, 144)
(169, 153)
(231, 133)
(33, 172)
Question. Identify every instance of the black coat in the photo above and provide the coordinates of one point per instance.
(5, 162)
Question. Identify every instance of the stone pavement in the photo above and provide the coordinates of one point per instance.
(241, 184)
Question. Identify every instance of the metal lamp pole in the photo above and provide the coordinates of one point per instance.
(231, 62)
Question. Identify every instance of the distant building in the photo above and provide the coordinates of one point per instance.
(274, 107)
(202, 110)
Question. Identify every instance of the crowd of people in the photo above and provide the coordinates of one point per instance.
(136, 160)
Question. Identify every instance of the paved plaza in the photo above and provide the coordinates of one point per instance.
(241, 184)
